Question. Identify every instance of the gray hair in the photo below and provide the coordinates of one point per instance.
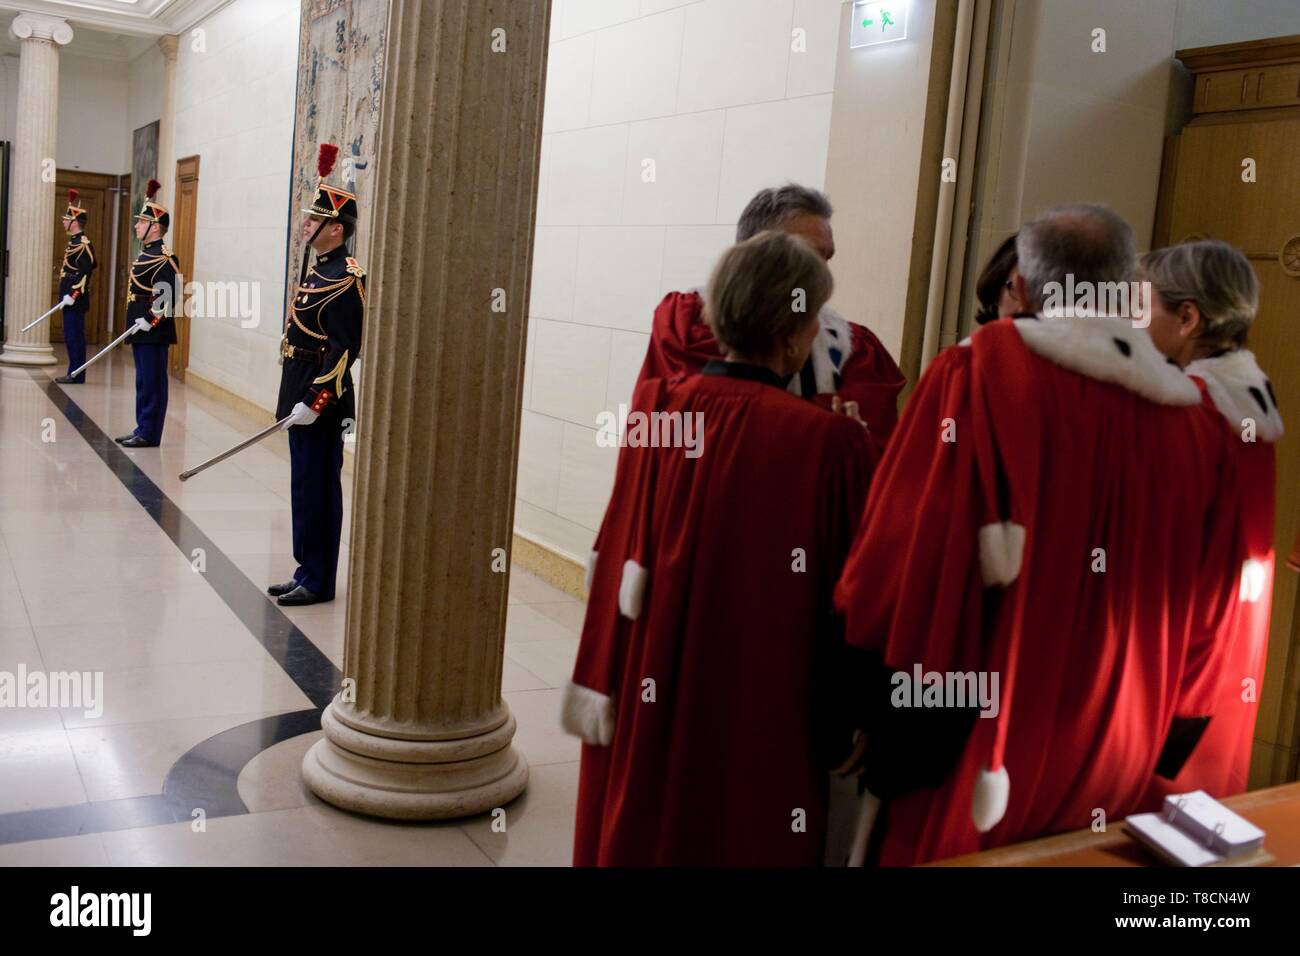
(773, 208)
(763, 290)
(1214, 275)
(1087, 241)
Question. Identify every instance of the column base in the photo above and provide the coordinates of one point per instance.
(414, 779)
(28, 355)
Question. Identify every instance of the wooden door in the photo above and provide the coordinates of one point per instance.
(96, 197)
(122, 270)
(182, 244)
(1211, 198)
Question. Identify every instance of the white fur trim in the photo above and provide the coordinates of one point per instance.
(1090, 345)
(1254, 576)
(1229, 379)
(1002, 548)
(992, 790)
(587, 714)
(835, 333)
(590, 572)
(631, 590)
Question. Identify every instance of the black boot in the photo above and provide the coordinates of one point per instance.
(299, 597)
(69, 380)
(275, 590)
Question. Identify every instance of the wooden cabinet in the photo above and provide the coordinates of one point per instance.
(1254, 88)
(1262, 74)
(1233, 173)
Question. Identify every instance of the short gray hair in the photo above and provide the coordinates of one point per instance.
(1214, 275)
(763, 290)
(773, 208)
(1087, 241)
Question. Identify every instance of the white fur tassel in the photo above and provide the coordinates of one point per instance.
(591, 571)
(1002, 547)
(587, 714)
(631, 589)
(992, 790)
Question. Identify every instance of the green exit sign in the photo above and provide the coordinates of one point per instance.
(878, 21)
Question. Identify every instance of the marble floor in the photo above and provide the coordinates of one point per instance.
(101, 571)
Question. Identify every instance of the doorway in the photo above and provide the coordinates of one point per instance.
(96, 196)
(183, 216)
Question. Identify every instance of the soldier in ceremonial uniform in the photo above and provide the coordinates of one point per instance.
(322, 339)
(74, 287)
(151, 299)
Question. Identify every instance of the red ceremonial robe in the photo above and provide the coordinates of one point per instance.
(847, 360)
(1220, 764)
(714, 583)
(1024, 461)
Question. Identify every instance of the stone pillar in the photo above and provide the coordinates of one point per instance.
(32, 213)
(428, 734)
(167, 122)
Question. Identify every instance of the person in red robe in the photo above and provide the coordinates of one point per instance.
(846, 359)
(1204, 301)
(1040, 568)
(700, 686)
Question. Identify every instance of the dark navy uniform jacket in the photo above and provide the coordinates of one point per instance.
(74, 274)
(323, 338)
(154, 278)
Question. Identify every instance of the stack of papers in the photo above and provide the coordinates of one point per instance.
(1194, 829)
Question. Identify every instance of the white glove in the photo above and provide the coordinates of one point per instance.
(67, 301)
(142, 325)
(301, 415)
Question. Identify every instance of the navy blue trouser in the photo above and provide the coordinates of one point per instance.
(316, 493)
(150, 390)
(74, 337)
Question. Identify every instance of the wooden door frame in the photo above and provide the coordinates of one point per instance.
(122, 262)
(184, 218)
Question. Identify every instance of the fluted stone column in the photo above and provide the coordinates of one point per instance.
(428, 735)
(167, 121)
(32, 213)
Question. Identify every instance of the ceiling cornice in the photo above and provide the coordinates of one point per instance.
(155, 18)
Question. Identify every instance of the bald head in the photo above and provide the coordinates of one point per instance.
(1086, 241)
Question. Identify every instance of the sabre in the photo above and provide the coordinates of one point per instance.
(111, 345)
(35, 322)
(246, 443)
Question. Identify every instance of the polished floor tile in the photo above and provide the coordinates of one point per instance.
(85, 850)
(39, 771)
(537, 829)
(91, 583)
(316, 835)
(132, 760)
(538, 734)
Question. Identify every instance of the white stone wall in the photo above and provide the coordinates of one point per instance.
(234, 109)
(93, 95)
(713, 93)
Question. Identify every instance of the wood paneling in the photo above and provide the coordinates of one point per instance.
(182, 229)
(1212, 196)
(125, 227)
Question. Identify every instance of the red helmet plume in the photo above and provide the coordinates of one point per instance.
(325, 160)
(151, 190)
